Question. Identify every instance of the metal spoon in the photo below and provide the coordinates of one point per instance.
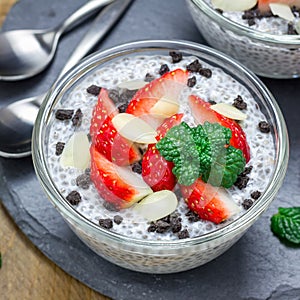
(25, 53)
(17, 119)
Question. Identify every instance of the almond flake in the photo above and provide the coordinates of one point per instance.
(134, 129)
(234, 5)
(132, 85)
(282, 10)
(165, 107)
(228, 111)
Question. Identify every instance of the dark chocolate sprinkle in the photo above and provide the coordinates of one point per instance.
(192, 81)
(149, 77)
(264, 127)
(247, 203)
(241, 182)
(74, 198)
(83, 181)
(118, 219)
(137, 167)
(163, 69)
(59, 147)
(77, 119)
(176, 56)
(255, 195)
(114, 95)
(239, 103)
(205, 72)
(106, 223)
(183, 234)
(64, 114)
(94, 90)
(194, 66)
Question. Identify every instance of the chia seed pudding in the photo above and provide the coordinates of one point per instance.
(269, 46)
(124, 236)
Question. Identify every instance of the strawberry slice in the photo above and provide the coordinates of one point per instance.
(117, 185)
(210, 203)
(202, 112)
(168, 86)
(156, 171)
(105, 136)
(263, 5)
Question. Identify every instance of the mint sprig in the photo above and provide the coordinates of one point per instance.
(286, 224)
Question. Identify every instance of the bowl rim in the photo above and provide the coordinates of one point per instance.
(264, 37)
(69, 212)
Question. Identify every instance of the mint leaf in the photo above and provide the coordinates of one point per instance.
(286, 224)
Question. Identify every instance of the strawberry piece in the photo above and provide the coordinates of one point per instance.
(115, 184)
(105, 136)
(263, 5)
(156, 171)
(168, 86)
(210, 203)
(202, 112)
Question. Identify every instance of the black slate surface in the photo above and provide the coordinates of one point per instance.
(257, 267)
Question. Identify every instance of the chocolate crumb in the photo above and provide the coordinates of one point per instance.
(194, 66)
(219, 10)
(176, 225)
(192, 81)
(94, 90)
(264, 127)
(183, 234)
(255, 195)
(74, 198)
(205, 73)
(149, 77)
(114, 95)
(291, 29)
(247, 203)
(59, 147)
(127, 95)
(118, 219)
(239, 103)
(77, 119)
(163, 69)
(64, 114)
(83, 181)
(137, 167)
(162, 226)
(110, 206)
(241, 182)
(87, 171)
(106, 223)
(152, 227)
(192, 216)
(122, 108)
(246, 171)
(176, 56)
(212, 102)
(251, 22)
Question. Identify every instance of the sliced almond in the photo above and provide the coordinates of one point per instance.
(234, 5)
(76, 152)
(228, 111)
(132, 85)
(157, 205)
(165, 107)
(282, 10)
(134, 129)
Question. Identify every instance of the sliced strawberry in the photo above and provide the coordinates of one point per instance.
(115, 184)
(210, 203)
(156, 171)
(168, 86)
(263, 5)
(106, 138)
(202, 112)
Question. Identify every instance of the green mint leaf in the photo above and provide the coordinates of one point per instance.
(286, 224)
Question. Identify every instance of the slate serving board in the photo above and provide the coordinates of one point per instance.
(257, 267)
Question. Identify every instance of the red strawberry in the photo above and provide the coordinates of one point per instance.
(210, 203)
(168, 86)
(156, 171)
(106, 138)
(263, 5)
(202, 112)
(115, 184)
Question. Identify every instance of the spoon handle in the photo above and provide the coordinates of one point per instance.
(82, 13)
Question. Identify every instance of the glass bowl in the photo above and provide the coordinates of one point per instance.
(268, 55)
(156, 256)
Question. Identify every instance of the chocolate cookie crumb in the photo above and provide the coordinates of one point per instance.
(94, 90)
(152, 227)
(77, 119)
(192, 81)
(220, 11)
(149, 77)
(212, 102)
(110, 206)
(59, 147)
(255, 195)
(192, 216)
(74, 198)
(264, 127)
(127, 95)
(106, 223)
(176, 225)
(64, 114)
(194, 66)
(239, 103)
(183, 234)
(83, 181)
(137, 167)
(251, 22)
(114, 95)
(246, 171)
(122, 108)
(176, 56)
(118, 219)
(162, 226)
(205, 73)
(247, 203)
(163, 69)
(241, 182)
